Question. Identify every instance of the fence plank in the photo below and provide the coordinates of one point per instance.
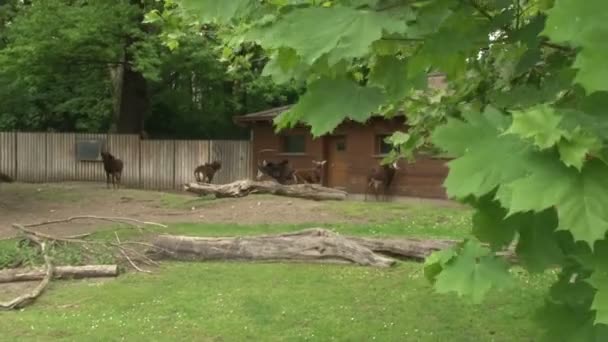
(7, 153)
(31, 157)
(157, 164)
(149, 164)
(235, 158)
(60, 157)
(188, 155)
(90, 170)
(126, 148)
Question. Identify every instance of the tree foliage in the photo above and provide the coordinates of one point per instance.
(523, 116)
(57, 59)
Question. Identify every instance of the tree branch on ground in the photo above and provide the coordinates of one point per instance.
(309, 245)
(246, 187)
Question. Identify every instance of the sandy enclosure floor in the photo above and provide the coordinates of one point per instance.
(29, 203)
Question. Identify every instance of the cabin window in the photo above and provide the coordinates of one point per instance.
(294, 144)
(341, 145)
(89, 150)
(382, 147)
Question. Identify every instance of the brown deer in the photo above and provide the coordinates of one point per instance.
(204, 173)
(380, 179)
(312, 175)
(281, 172)
(113, 168)
(5, 178)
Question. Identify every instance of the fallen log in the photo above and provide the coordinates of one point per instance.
(409, 248)
(310, 245)
(246, 187)
(59, 272)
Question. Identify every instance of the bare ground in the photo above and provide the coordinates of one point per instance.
(29, 203)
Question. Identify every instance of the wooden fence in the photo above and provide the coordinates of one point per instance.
(148, 164)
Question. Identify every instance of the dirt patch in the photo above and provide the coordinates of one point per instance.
(28, 203)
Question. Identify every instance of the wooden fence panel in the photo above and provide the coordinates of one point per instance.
(157, 164)
(235, 157)
(126, 148)
(90, 170)
(60, 157)
(31, 157)
(149, 164)
(7, 153)
(188, 155)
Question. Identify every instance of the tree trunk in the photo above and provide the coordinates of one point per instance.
(311, 245)
(131, 102)
(92, 271)
(244, 188)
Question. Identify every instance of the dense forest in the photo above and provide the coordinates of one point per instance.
(101, 65)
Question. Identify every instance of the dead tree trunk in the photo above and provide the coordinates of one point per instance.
(311, 245)
(69, 272)
(244, 188)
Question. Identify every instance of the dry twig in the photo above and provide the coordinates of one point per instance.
(29, 297)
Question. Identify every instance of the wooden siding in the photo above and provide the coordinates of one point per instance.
(148, 164)
(31, 157)
(188, 155)
(424, 178)
(8, 146)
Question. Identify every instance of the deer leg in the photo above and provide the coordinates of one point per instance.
(118, 180)
(107, 180)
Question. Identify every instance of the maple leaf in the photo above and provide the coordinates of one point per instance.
(504, 157)
(473, 273)
(340, 32)
(284, 65)
(580, 197)
(215, 11)
(490, 225)
(583, 24)
(574, 149)
(599, 280)
(538, 247)
(456, 136)
(540, 123)
(434, 263)
(582, 210)
(390, 73)
(324, 113)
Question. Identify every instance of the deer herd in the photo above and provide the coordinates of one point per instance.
(378, 180)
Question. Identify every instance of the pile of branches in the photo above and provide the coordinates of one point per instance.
(45, 242)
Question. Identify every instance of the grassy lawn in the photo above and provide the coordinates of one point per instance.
(283, 302)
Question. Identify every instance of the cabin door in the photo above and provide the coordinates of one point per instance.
(337, 165)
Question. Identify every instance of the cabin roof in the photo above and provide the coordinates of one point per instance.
(269, 114)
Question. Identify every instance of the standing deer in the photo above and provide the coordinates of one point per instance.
(380, 179)
(204, 173)
(312, 175)
(113, 168)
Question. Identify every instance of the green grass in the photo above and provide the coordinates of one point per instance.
(273, 302)
(281, 302)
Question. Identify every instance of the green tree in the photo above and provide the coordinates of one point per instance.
(523, 116)
(98, 66)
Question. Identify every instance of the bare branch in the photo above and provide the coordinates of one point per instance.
(124, 220)
(29, 297)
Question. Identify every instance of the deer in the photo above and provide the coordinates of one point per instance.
(204, 173)
(380, 179)
(281, 172)
(312, 175)
(5, 178)
(113, 168)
